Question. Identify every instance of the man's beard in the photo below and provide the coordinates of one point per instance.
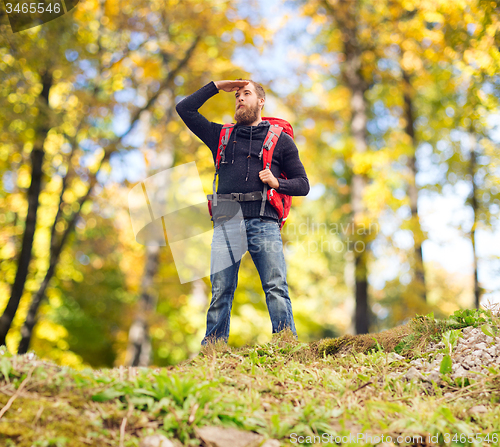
(246, 115)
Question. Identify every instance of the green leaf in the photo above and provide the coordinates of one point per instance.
(446, 412)
(462, 381)
(108, 394)
(446, 365)
(488, 330)
(5, 367)
(377, 346)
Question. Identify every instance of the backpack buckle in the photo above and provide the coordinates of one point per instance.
(269, 141)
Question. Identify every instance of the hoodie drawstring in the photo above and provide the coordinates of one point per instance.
(234, 141)
(249, 154)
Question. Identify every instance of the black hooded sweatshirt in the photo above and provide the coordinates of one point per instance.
(240, 167)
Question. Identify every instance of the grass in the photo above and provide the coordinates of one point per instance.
(285, 390)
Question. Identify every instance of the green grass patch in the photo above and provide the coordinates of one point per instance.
(284, 390)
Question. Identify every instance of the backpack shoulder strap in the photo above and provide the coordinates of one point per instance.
(266, 153)
(224, 135)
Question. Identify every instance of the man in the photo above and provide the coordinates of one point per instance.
(241, 172)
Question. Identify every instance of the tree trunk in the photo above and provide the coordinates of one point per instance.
(346, 19)
(139, 342)
(474, 204)
(37, 156)
(30, 321)
(362, 312)
(412, 190)
(55, 252)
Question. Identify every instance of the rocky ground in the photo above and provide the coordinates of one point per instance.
(473, 354)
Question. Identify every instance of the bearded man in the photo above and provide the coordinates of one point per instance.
(240, 171)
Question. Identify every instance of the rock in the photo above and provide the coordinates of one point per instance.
(492, 351)
(228, 437)
(434, 376)
(460, 372)
(413, 374)
(481, 346)
(486, 356)
(478, 409)
(271, 443)
(474, 333)
(393, 357)
(155, 441)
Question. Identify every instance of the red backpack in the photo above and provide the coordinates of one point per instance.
(280, 202)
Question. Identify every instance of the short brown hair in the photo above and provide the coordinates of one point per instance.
(259, 90)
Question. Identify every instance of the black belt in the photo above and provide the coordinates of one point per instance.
(238, 196)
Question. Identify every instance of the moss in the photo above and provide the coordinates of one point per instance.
(407, 340)
(387, 340)
(53, 422)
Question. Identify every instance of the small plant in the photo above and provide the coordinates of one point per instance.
(468, 317)
(450, 339)
(376, 347)
(5, 368)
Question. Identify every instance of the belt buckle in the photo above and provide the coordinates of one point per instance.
(235, 196)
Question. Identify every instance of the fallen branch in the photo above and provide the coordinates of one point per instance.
(16, 394)
(362, 386)
(123, 425)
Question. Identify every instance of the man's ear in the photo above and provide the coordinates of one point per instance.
(262, 101)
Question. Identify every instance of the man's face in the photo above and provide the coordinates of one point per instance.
(248, 105)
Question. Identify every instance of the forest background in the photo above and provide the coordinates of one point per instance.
(395, 107)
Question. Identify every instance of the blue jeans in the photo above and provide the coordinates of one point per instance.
(262, 238)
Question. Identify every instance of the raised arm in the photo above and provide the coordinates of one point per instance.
(230, 86)
(205, 130)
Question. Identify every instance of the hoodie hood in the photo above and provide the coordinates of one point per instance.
(258, 131)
